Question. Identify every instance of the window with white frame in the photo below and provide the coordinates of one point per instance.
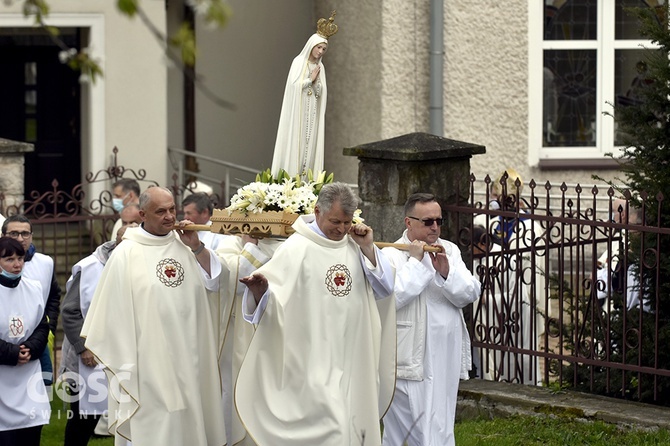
(584, 55)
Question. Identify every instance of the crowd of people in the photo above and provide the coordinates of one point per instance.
(174, 336)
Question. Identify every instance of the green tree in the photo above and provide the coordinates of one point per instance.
(644, 130)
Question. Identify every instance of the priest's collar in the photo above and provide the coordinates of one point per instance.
(149, 234)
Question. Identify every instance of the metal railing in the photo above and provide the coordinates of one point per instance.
(227, 182)
(556, 310)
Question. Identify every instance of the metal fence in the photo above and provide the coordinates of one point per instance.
(571, 287)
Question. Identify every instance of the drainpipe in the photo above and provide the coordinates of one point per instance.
(437, 67)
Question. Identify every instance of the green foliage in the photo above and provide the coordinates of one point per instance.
(184, 39)
(127, 7)
(318, 178)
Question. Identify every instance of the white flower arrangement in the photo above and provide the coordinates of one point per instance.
(260, 197)
(289, 194)
(285, 193)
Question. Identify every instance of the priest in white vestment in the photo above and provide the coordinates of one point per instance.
(151, 325)
(321, 365)
(243, 255)
(433, 342)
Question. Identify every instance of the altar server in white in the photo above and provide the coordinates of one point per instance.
(24, 404)
(321, 365)
(433, 342)
(151, 326)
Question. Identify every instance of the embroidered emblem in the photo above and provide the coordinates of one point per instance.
(338, 280)
(16, 328)
(170, 272)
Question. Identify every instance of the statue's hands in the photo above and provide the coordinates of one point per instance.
(315, 73)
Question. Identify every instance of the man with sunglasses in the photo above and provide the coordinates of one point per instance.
(433, 342)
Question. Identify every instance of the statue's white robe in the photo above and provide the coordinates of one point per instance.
(151, 325)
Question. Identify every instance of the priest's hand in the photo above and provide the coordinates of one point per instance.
(88, 359)
(190, 238)
(362, 235)
(440, 261)
(257, 284)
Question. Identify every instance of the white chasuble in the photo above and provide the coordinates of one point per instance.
(93, 382)
(23, 397)
(235, 333)
(321, 366)
(150, 325)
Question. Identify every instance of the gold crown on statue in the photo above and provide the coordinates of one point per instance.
(325, 27)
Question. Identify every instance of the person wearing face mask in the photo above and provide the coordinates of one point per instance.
(125, 191)
(39, 267)
(24, 404)
(300, 135)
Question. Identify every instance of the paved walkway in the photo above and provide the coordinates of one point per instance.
(480, 398)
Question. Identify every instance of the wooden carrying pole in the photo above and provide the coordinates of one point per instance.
(400, 246)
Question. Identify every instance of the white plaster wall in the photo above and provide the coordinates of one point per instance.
(247, 63)
(486, 89)
(354, 64)
(134, 98)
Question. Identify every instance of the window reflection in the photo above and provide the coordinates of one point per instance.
(30, 73)
(570, 97)
(570, 20)
(626, 23)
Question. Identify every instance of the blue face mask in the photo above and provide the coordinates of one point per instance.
(9, 275)
(117, 204)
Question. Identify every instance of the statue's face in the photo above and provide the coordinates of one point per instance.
(319, 50)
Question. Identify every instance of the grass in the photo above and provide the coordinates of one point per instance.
(512, 431)
(53, 433)
(528, 431)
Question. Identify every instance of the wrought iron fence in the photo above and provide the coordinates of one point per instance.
(572, 287)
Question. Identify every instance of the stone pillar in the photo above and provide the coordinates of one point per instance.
(12, 166)
(391, 170)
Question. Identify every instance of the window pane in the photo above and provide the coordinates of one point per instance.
(30, 73)
(31, 102)
(570, 19)
(31, 130)
(569, 103)
(626, 23)
(630, 76)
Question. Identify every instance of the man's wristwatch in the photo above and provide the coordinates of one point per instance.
(199, 249)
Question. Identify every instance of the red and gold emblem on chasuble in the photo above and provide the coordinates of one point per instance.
(16, 328)
(170, 272)
(338, 280)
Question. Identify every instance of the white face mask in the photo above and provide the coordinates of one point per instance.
(9, 275)
(117, 204)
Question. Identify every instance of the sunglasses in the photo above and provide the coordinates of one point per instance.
(428, 221)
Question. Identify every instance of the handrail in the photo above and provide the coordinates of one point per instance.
(226, 183)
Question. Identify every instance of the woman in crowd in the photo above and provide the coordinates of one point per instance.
(24, 405)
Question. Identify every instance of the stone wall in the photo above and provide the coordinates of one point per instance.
(13, 171)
